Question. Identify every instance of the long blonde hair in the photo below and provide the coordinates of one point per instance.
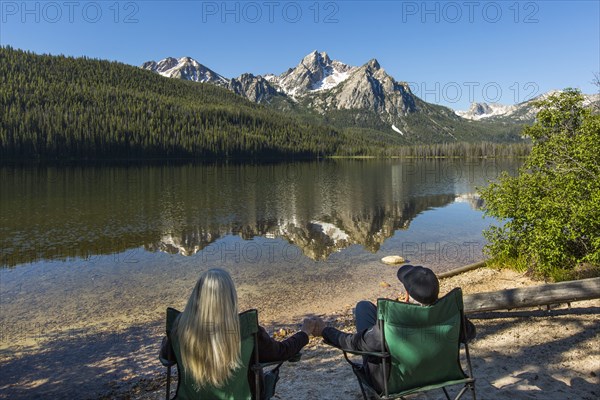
(209, 330)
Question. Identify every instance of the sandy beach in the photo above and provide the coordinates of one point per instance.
(521, 354)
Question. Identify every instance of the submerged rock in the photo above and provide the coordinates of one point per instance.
(393, 260)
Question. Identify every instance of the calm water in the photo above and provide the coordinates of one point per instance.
(96, 241)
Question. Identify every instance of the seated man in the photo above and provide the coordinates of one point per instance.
(422, 287)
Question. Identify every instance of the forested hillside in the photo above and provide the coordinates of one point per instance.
(56, 107)
(62, 107)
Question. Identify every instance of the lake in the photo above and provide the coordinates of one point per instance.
(94, 250)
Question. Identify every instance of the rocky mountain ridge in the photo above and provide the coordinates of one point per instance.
(524, 111)
(322, 86)
(327, 84)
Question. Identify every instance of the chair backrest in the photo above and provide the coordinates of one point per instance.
(237, 387)
(423, 341)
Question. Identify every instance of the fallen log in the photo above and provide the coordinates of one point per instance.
(531, 296)
(460, 270)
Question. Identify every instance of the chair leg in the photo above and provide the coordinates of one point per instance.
(362, 389)
(168, 382)
(446, 393)
(468, 386)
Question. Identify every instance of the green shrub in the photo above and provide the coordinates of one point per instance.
(551, 210)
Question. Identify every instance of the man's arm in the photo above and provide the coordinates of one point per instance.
(366, 340)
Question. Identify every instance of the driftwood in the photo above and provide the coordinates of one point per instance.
(554, 293)
(460, 270)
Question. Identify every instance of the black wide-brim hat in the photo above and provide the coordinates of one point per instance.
(420, 282)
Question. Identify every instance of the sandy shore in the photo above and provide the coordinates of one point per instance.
(524, 354)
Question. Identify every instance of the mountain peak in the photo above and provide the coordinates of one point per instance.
(185, 68)
(254, 88)
(315, 59)
(315, 72)
(188, 59)
(374, 64)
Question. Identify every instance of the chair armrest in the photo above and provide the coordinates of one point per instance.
(256, 367)
(359, 352)
(366, 353)
(166, 354)
(358, 366)
(295, 358)
(166, 362)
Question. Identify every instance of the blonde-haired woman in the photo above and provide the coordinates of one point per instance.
(207, 333)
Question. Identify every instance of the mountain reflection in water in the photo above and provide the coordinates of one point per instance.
(55, 213)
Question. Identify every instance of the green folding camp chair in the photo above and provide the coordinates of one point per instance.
(237, 387)
(421, 349)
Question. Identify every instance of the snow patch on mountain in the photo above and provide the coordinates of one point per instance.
(331, 81)
(479, 111)
(397, 130)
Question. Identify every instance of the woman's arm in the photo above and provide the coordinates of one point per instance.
(270, 349)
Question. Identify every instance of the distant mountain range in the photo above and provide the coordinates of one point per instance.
(320, 83)
(521, 112)
(364, 97)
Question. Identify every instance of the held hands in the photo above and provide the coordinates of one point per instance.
(313, 326)
(319, 326)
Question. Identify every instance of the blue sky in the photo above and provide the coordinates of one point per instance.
(451, 52)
